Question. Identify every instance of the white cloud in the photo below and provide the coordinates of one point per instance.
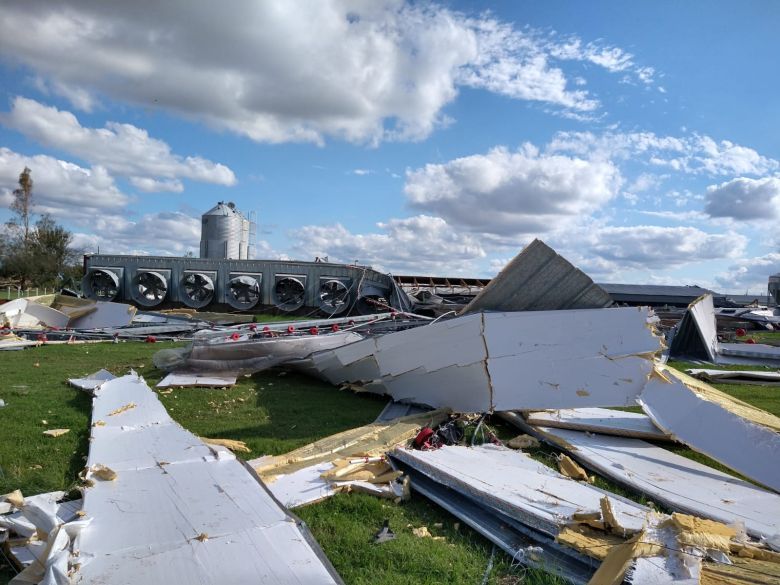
(750, 274)
(123, 149)
(656, 247)
(363, 72)
(62, 188)
(506, 193)
(166, 233)
(416, 245)
(745, 199)
(695, 154)
(362, 172)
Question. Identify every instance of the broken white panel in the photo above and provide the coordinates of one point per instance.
(304, 486)
(673, 480)
(13, 342)
(24, 522)
(179, 511)
(35, 550)
(93, 381)
(599, 420)
(596, 357)
(105, 315)
(26, 314)
(518, 486)
(702, 310)
(713, 427)
(204, 380)
(749, 352)
(736, 376)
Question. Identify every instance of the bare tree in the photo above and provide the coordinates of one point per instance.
(23, 203)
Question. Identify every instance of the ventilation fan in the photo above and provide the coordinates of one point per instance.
(244, 292)
(199, 288)
(151, 287)
(289, 293)
(334, 297)
(104, 285)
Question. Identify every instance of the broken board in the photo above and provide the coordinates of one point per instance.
(599, 420)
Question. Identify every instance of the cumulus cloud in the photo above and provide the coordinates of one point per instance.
(363, 72)
(694, 154)
(123, 149)
(745, 199)
(420, 244)
(656, 247)
(508, 193)
(62, 188)
(750, 274)
(166, 233)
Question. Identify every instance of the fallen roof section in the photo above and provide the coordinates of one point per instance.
(518, 486)
(576, 358)
(696, 337)
(738, 435)
(599, 420)
(755, 377)
(188, 513)
(679, 483)
(200, 380)
(539, 279)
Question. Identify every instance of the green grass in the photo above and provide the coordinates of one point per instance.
(272, 413)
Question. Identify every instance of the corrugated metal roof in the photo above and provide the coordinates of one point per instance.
(539, 279)
(692, 291)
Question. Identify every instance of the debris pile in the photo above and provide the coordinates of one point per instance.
(541, 348)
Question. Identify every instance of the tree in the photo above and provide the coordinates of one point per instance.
(37, 254)
(22, 204)
(52, 251)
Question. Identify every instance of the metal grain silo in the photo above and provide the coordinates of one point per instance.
(224, 233)
(774, 288)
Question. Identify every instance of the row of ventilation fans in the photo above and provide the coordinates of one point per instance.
(150, 288)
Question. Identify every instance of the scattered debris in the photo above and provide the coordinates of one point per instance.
(56, 432)
(738, 435)
(384, 534)
(696, 337)
(569, 468)
(599, 420)
(737, 376)
(523, 442)
(677, 482)
(93, 381)
(202, 380)
(231, 444)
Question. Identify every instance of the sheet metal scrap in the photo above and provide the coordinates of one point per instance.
(738, 435)
(599, 420)
(471, 363)
(539, 279)
(567, 523)
(174, 490)
(675, 481)
(696, 337)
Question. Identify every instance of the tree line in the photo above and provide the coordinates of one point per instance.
(34, 249)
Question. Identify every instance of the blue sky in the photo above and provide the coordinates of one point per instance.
(640, 139)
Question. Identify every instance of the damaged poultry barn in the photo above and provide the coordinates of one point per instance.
(541, 349)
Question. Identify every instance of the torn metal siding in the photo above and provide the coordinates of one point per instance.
(539, 279)
(734, 433)
(178, 510)
(675, 481)
(505, 361)
(599, 420)
(516, 485)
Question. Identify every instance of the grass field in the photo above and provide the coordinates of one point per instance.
(273, 413)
